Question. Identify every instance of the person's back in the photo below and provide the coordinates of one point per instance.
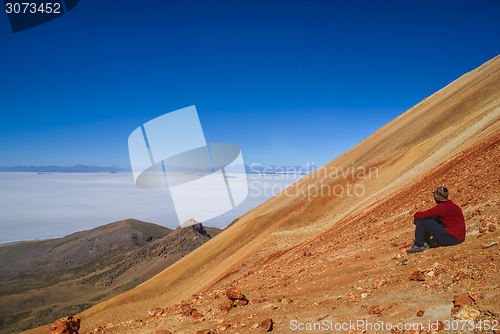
(444, 223)
(450, 215)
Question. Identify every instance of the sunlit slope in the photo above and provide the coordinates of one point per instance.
(426, 135)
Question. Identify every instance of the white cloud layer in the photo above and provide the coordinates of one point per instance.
(39, 206)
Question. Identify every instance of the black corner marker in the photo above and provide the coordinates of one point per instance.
(70, 4)
(26, 14)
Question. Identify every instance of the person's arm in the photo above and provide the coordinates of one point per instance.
(435, 211)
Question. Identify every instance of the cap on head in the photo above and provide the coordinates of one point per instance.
(441, 194)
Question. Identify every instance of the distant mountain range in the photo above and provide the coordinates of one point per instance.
(254, 168)
(60, 169)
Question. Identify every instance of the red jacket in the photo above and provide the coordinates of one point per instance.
(450, 214)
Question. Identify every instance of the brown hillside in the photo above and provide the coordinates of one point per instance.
(74, 249)
(318, 248)
(44, 280)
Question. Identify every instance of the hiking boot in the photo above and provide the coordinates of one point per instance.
(417, 249)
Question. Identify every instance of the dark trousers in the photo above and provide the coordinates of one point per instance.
(432, 226)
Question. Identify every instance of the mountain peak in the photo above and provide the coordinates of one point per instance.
(190, 222)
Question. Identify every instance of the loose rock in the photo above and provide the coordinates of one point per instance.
(461, 300)
(156, 311)
(455, 310)
(223, 308)
(417, 276)
(203, 331)
(266, 326)
(475, 297)
(376, 309)
(467, 313)
(490, 244)
(234, 293)
(461, 275)
(66, 325)
(196, 315)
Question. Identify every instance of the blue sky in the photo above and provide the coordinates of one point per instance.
(290, 82)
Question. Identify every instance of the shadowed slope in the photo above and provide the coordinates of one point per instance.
(74, 249)
(45, 280)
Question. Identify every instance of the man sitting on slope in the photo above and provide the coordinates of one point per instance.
(444, 222)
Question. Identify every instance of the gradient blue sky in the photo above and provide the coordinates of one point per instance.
(287, 81)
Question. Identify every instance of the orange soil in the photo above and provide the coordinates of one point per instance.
(339, 274)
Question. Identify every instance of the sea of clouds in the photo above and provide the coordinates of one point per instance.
(40, 206)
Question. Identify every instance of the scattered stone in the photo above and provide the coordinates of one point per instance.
(478, 211)
(426, 269)
(417, 276)
(321, 317)
(185, 307)
(203, 331)
(461, 275)
(376, 309)
(490, 244)
(455, 310)
(189, 312)
(234, 293)
(404, 262)
(475, 297)
(439, 271)
(266, 326)
(420, 313)
(223, 308)
(242, 302)
(461, 300)
(156, 311)
(162, 331)
(467, 313)
(440, 326)
(258, 301)
(196, 315)
(455, 257)
(380, 283)
(492, 228)
(483, 229)
(66, 325)
(255, 326)
(285, 301)
(223, 327)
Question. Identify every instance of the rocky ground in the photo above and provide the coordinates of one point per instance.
(358, 271)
